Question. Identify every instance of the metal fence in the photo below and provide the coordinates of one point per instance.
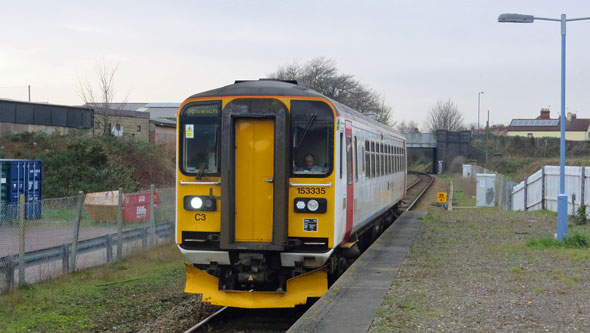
(73, 233)
(540, 190)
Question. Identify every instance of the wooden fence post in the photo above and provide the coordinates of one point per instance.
(21, 242)
(120, 226)
(76, 231)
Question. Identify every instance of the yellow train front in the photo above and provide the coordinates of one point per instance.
(269, 198)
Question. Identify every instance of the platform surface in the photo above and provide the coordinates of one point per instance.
(352, 301)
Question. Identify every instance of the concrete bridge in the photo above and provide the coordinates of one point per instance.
(443, 146)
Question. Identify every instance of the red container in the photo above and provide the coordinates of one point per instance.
(136, 206)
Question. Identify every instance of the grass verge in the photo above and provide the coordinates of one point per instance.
(118, 297)
(472, 270)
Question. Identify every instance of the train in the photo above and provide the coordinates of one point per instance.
(279, 188)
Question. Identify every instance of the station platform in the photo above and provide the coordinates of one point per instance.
(352, 301)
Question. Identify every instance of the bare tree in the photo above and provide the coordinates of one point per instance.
(321, 75)
(100, 97)
(444, 116)
(408, 127)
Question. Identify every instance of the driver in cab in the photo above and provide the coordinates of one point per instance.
(309, 165)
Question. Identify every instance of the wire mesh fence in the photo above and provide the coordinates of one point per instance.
(60, 235)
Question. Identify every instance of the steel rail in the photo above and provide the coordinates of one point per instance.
(421, 193)
(206, 320)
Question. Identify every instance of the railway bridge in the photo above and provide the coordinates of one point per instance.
(442, 147)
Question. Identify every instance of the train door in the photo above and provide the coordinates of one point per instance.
(349, 179)
(254, 170)
(254, 156)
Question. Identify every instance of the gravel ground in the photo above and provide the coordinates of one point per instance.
(470, 270)
(181, 317)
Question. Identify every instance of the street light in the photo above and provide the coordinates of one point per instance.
(562, 197)
(478, 95)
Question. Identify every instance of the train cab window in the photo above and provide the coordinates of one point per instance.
(199, 139)
(312, 139)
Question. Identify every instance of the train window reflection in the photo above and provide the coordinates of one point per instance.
(199, 136)
(200, 151)
(311, 149)
(312, 138)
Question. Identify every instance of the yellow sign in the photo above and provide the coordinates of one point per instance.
(189, 133)
(441, 197)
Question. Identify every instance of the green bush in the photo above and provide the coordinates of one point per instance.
(572, 240)
(77, 162)
(576, 240)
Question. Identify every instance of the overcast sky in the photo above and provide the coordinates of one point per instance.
(413, 53)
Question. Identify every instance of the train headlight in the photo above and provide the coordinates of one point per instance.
(208, 203)
(200, 202)
(196, 203)
(310, 205)
(313, 205)
(300, 205)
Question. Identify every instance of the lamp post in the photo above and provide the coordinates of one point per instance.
(562, 197)
(478, 97)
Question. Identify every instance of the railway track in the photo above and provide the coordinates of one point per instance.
(279, 320)
(415, 190)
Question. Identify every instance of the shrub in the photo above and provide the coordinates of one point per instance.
(576, 240)
(581, 216)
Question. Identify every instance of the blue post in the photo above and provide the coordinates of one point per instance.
(562, 197)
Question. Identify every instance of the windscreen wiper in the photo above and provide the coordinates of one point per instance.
(306, 129)
(202, 169)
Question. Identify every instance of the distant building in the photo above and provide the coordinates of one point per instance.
(120, 122)
(576, 129)
(162, 120)
(19, 117)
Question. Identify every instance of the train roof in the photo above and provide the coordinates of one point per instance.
(274, 87)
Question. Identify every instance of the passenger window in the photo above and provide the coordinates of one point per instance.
(373, 159)
(367, 160)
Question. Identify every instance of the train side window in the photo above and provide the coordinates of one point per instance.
(356, 160)
(398, 160)
(199, 139)
(312, 138)
(378, 157)
(373, 159)
(367, 160)
(389, 164)
(382, 159)
(391, 159)
(380, 149)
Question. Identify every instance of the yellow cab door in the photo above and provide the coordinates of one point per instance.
(254, 173)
